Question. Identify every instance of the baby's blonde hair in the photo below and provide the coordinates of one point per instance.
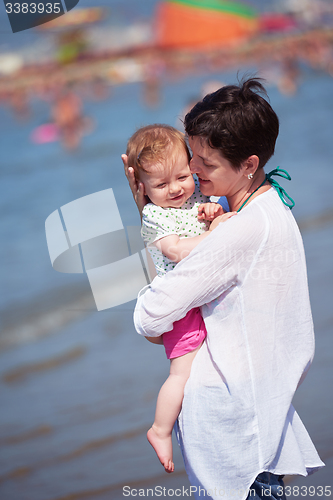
(154, 144)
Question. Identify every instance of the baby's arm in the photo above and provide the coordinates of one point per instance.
(155, 340)
(176, 248)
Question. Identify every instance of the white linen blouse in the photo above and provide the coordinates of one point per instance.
(249, 278)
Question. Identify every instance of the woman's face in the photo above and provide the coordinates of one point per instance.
(216, 175)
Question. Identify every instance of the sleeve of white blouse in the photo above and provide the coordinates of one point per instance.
(221, 260)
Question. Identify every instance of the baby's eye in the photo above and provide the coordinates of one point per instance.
(183, 177)
(161, 185)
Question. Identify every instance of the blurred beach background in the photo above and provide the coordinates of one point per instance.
(78, 387)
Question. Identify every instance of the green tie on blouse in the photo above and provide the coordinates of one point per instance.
(285, 198)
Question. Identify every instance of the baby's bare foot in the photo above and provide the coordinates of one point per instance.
(163, 448)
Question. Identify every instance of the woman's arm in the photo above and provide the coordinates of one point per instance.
(217, 264)
(176, 248)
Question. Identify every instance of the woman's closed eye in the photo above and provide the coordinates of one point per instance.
(205, 163)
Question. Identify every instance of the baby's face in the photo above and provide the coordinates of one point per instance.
(169, 185)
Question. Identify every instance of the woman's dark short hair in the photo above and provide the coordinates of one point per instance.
(236, 120)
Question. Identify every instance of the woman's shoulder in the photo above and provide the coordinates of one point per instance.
(252, 221)
(267, 202)
(266, 213)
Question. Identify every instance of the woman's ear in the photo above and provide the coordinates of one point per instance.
(251, 165)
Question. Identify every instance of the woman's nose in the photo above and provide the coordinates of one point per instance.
(193, 166)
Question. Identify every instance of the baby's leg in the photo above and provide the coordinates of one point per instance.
(169, 403)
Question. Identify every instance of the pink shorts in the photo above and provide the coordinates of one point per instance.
(187, 334)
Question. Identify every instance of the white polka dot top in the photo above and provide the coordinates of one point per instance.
(159, 222)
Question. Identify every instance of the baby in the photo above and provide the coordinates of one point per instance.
(173, 223)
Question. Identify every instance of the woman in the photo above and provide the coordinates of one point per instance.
(238, 431)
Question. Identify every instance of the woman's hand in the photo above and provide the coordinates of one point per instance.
(221, 218)
(137, 188)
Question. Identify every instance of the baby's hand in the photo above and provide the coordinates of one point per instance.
(221, 218)
(209, 211)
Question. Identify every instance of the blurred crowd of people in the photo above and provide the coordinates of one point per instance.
(278, 57)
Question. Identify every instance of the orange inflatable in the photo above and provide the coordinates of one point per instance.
(197, 23)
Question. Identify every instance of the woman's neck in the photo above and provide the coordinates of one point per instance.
(253, 188)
